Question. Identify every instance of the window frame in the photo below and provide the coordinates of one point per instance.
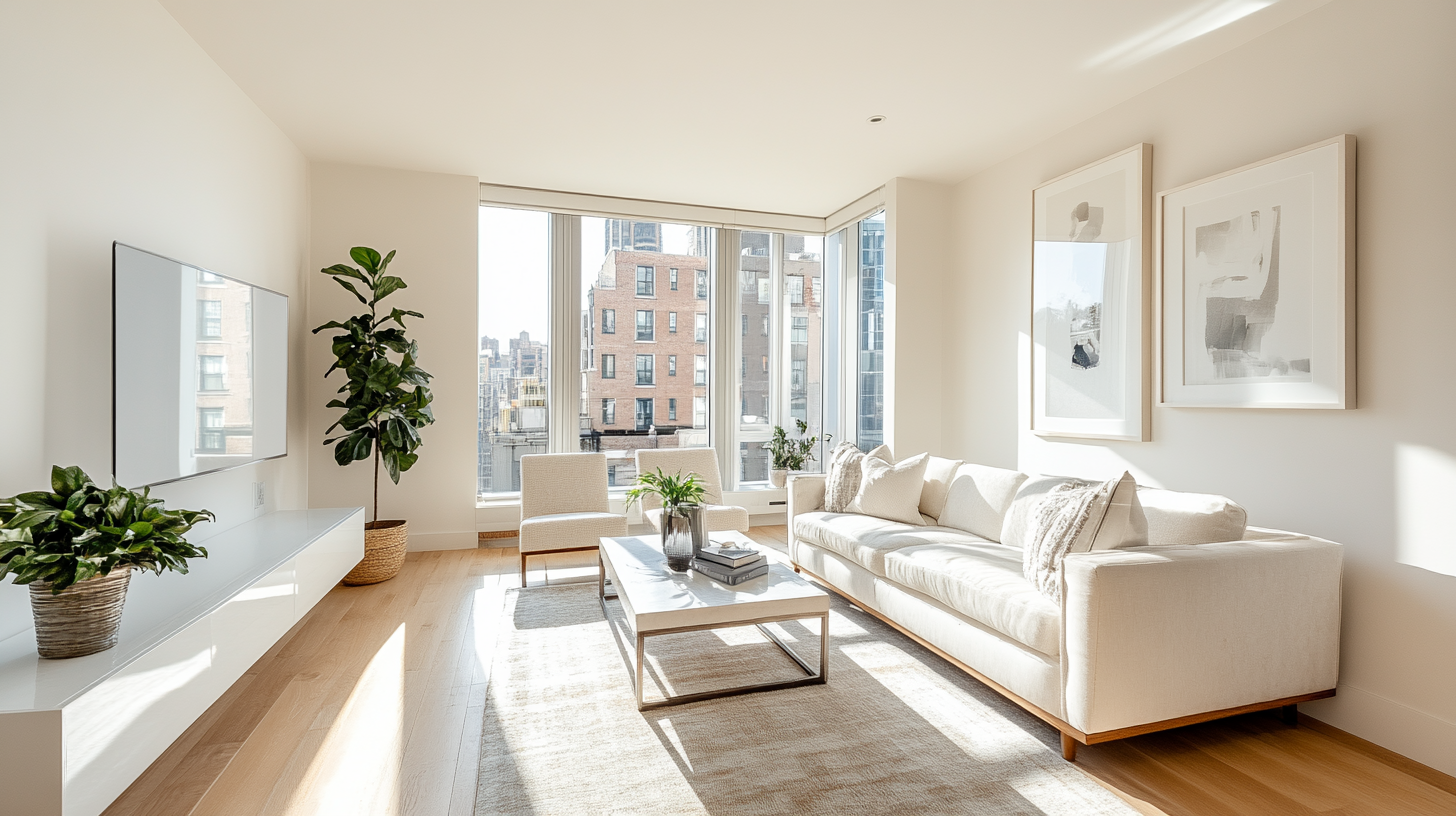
(650, 369)
(649, 283)
(609, 366)
(609, 321)
(651, 326)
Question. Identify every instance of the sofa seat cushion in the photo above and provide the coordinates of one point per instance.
(983, 581)
(866, 540)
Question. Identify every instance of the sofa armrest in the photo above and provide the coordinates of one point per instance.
(1156, 633)
(806, 494)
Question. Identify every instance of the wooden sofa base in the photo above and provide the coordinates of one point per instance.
(1071, 737)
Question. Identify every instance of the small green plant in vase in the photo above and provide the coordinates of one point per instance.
(76, 545)
(790, 454)
(682, 512)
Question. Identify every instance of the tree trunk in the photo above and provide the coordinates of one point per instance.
(376, 472)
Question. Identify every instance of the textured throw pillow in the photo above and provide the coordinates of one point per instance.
(842, 476)
(1079, 518)
(1016, 526)
(891, 491)
(978, 499)
(938, 475)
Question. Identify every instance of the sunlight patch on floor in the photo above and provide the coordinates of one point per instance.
(356, 771)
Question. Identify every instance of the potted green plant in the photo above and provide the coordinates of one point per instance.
(76, 545)
(386, 402)
(790, 454)
(682, 512)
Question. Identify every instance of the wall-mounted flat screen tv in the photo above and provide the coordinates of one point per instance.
(199, 367)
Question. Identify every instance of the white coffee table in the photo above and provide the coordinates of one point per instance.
(658, 601)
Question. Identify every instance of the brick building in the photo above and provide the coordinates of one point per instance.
(645, 356)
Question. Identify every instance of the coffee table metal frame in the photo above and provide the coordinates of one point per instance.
(812, 677)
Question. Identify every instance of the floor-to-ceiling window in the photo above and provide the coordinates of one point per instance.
(514, 358)
(870, 374)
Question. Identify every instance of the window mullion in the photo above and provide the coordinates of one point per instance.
(725, 351)
(564, 388)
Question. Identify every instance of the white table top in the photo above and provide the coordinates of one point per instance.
(654, 597)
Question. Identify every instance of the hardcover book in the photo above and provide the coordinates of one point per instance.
(731, 577)
(730, 556)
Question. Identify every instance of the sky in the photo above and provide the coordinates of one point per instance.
(514, 259)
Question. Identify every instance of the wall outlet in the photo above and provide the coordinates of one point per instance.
(258, 495)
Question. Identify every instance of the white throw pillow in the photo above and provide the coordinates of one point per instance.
(1191, 518)
(1124, 524)
(843, 475)
(891, 491)
(938, 475)
(978, 499)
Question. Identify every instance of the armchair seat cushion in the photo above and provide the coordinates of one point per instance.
(716, 518)
(562, 531)
(983, 581)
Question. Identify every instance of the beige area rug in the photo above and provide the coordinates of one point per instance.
(896, 729)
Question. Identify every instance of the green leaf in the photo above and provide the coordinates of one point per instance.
(391, 464)
(366, 257)
(352, 290)
(345, 270)
(386, 286)
(141, 528)
(363, 445)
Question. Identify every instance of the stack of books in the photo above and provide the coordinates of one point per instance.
(731, 565)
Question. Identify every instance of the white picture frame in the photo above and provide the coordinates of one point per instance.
(1257, 284)
(1090, 281)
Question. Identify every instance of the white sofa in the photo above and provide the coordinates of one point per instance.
(1192, 627)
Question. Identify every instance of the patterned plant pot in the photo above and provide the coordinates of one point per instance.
(385, 543)
(83, 619)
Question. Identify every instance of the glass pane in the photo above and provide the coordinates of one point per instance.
(755, 390)
(513, 367)
(804, 317)
(870, 393)
(624, 264)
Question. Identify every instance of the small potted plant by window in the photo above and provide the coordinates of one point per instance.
(682, 512)
(790, 454)
(76, 545)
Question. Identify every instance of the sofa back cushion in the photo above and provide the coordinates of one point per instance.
(891, 491)
(978, 498)
(938, 475)
(1191, 518)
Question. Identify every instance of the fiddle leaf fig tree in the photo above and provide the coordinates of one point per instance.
(386, 402)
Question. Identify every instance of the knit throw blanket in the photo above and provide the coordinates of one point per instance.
(1058, 522)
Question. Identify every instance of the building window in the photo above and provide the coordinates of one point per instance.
(205, 278)
(702, 284)
(212, 372)
(644, 413)
(672, 409)
(700, 327)
(765, 363)
(799, 331)
(672, 278)
(609, 366)
(609, 321)
(700, 369)
(209, 319)
(210, 436)
(672, 322)
(745, 325)
(743, 365)
(644, 369)
(672, 365)
(700, 412)
(644, 324)
(796, 289)
(646, 283)
(765, 325)
(609, 412)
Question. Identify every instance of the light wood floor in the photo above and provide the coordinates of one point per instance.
(373, 705)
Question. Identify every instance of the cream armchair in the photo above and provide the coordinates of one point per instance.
(704, 462)
(564, 504)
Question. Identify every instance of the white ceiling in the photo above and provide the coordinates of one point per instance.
(748, 104)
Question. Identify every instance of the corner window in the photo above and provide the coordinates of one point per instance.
(646, 285)
(609, 366)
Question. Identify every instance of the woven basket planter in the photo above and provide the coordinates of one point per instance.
(83, 619)
(384, 547)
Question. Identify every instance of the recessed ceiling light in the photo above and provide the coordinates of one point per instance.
(876, 119)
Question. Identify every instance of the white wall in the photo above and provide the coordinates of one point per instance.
(1379, 479)
(917, 257)
(432, 220)
(117, 126)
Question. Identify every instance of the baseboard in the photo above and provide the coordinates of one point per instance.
(1422, 737)
(420, 542)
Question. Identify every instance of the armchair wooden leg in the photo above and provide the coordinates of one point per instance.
(1069, 748)
(523, 570)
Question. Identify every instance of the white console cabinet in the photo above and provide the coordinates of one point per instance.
(75, 733)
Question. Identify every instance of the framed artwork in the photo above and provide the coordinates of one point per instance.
(1090, 274)
(1258, 284)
